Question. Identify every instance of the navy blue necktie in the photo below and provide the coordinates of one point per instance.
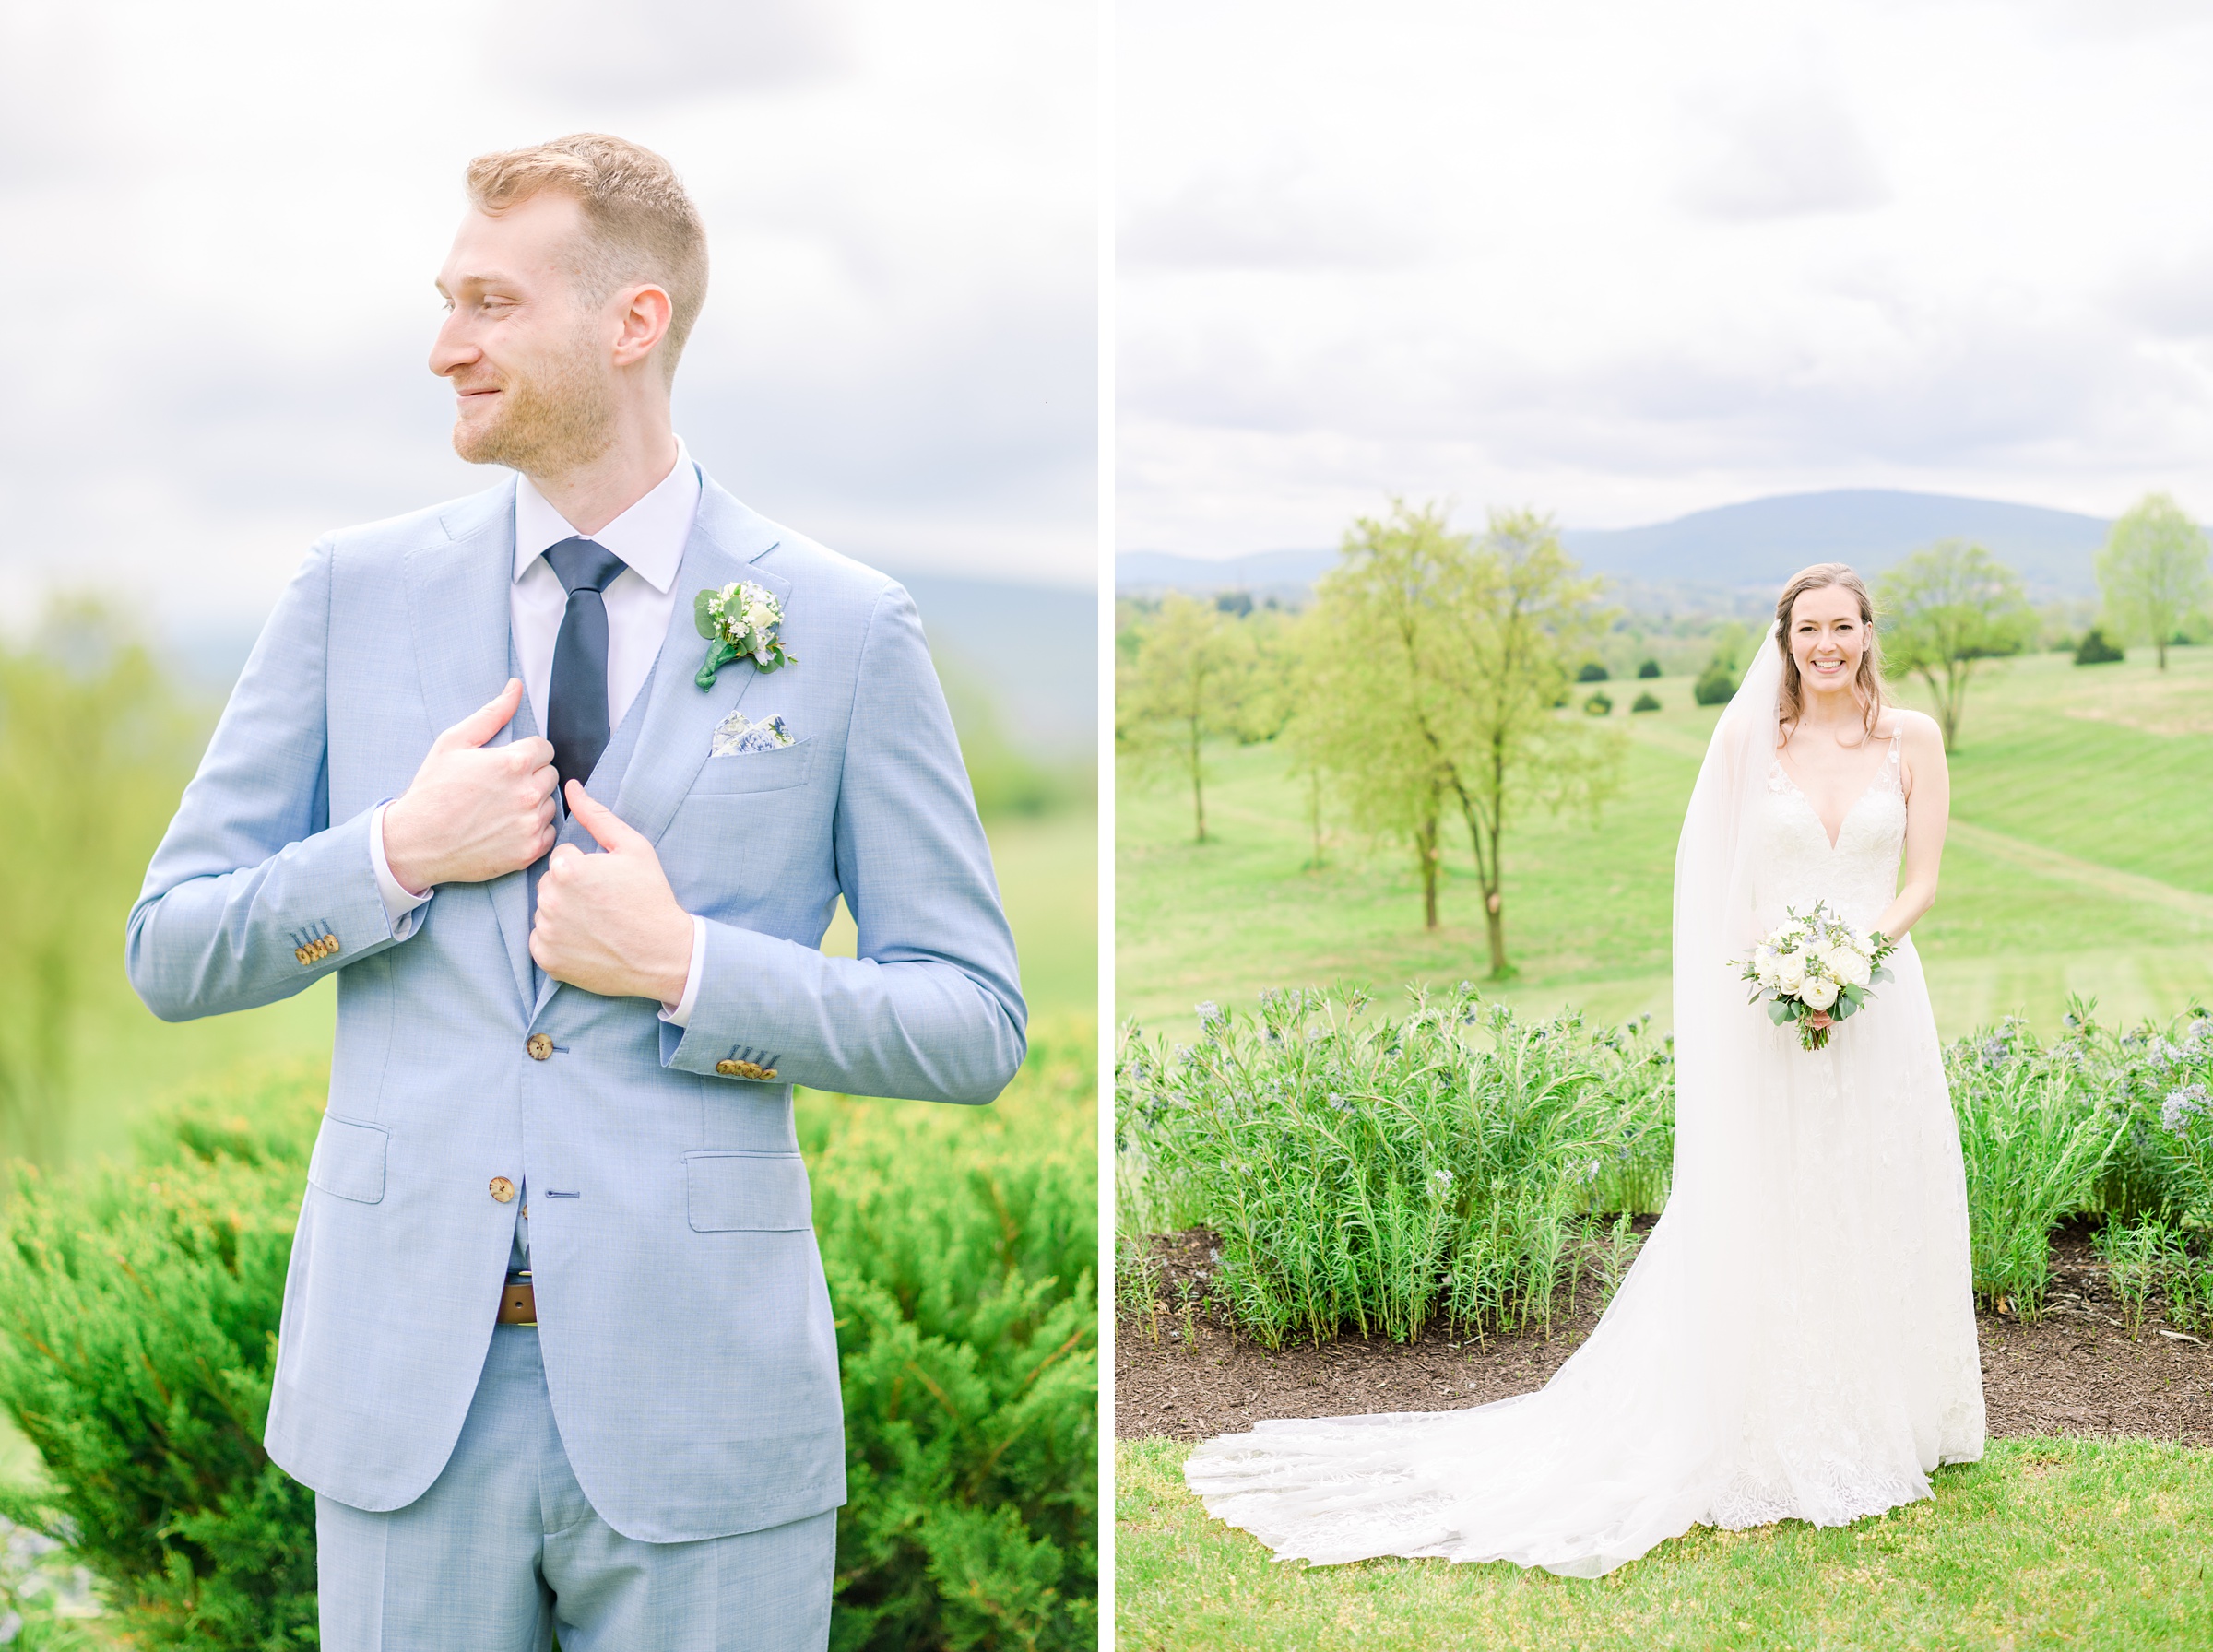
(576, 704)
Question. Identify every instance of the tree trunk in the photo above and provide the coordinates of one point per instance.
(1424, 848)
(1314, 816)
(1198, 790)
(1493, 913)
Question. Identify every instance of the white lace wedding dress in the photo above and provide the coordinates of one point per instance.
(1796, 1339)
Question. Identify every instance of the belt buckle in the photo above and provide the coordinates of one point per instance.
(518, 1301)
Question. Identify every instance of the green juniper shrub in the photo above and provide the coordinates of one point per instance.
(1598, 705)
(1716, 684)
(1591, 671)
(1646, 701)
(1649, 668)
(143, 1304)
(137, 1355)
(1376, 1174)
(2095, 649)
(961, 1249)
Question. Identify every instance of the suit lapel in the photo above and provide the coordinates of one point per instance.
(458, 612)
(680, 723)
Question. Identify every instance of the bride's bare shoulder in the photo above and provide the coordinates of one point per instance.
(1917, 730)
(1915, 726)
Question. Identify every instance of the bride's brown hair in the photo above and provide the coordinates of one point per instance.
(1867, 681)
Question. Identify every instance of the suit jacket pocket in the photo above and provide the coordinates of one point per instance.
(776, 770)
(349, 1160)
(732, 1190)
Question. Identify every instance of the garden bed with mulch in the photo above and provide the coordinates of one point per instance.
(2075, 1371)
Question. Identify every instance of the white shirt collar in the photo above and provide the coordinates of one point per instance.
(649, 536)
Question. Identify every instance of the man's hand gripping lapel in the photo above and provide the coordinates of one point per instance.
(609, 923)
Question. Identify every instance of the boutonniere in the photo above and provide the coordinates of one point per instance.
(740, 622)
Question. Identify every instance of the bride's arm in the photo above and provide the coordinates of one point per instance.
(1928, 786)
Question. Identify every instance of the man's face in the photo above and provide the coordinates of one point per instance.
(532, 379)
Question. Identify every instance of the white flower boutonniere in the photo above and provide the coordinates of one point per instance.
(740, 622)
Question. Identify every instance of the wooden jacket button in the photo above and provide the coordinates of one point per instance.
(502, 1189)
(540, 1046)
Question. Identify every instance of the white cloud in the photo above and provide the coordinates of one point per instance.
(1650, 259)
(1784, 146)
(224, 221)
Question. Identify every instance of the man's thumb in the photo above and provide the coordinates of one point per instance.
(486, 720)
(609, 829)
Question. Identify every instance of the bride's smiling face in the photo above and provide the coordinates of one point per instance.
(1828, 637)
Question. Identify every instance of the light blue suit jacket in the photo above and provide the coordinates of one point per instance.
(684, 1321)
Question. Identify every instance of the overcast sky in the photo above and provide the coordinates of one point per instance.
(1622, 261)
(222, 221)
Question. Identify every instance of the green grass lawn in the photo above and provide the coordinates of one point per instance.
(2084, 794)
(1048, 877)
(2076, 1543)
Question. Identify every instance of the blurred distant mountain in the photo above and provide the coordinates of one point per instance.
(1032, 650)
(1752, 546)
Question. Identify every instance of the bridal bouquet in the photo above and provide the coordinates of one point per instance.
(1815, 970)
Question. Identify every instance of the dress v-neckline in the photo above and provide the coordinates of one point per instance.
(1889, 759)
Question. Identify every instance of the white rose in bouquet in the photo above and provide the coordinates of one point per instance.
(1814, 970)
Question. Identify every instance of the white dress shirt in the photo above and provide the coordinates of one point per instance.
(649, 537)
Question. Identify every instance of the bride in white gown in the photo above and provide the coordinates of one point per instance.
(1797, 1338)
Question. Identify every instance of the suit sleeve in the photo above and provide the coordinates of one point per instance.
(253, 895)
(930, 1008)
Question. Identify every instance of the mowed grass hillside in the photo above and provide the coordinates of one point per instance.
(2080, 861)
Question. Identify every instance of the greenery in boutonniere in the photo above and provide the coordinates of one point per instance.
(740, 621)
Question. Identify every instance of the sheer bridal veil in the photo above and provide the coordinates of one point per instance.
(1638, 1435)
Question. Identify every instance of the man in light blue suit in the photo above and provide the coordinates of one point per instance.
(556, 1348)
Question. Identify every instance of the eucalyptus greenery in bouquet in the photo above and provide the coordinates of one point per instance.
(1815, 970)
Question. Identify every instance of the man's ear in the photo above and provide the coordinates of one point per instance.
(646, 314)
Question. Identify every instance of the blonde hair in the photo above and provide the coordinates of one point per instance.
(1867, 681)
(638, 222)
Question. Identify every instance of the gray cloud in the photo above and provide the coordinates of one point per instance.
(1285, 214)
(1776, 151)
(627, 51)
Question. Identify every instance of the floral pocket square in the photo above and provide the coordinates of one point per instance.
(736, 736)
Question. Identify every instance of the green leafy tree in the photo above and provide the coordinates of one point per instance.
(1522, 611)
(1183, 672)
(1946, 609)
(1456, 654)
(93, 753)
(2152, 571)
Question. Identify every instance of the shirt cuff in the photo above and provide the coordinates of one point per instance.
(679, 1014)
(399, 904)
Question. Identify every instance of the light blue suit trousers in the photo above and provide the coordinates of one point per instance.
(504, 1546)
(688, 1354)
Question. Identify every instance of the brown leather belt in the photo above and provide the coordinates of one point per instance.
(518, 1301)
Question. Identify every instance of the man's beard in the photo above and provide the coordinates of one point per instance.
(555, 420)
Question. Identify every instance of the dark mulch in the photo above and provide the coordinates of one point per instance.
(2075, 1371)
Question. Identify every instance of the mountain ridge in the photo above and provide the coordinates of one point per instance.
(1754, 544)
